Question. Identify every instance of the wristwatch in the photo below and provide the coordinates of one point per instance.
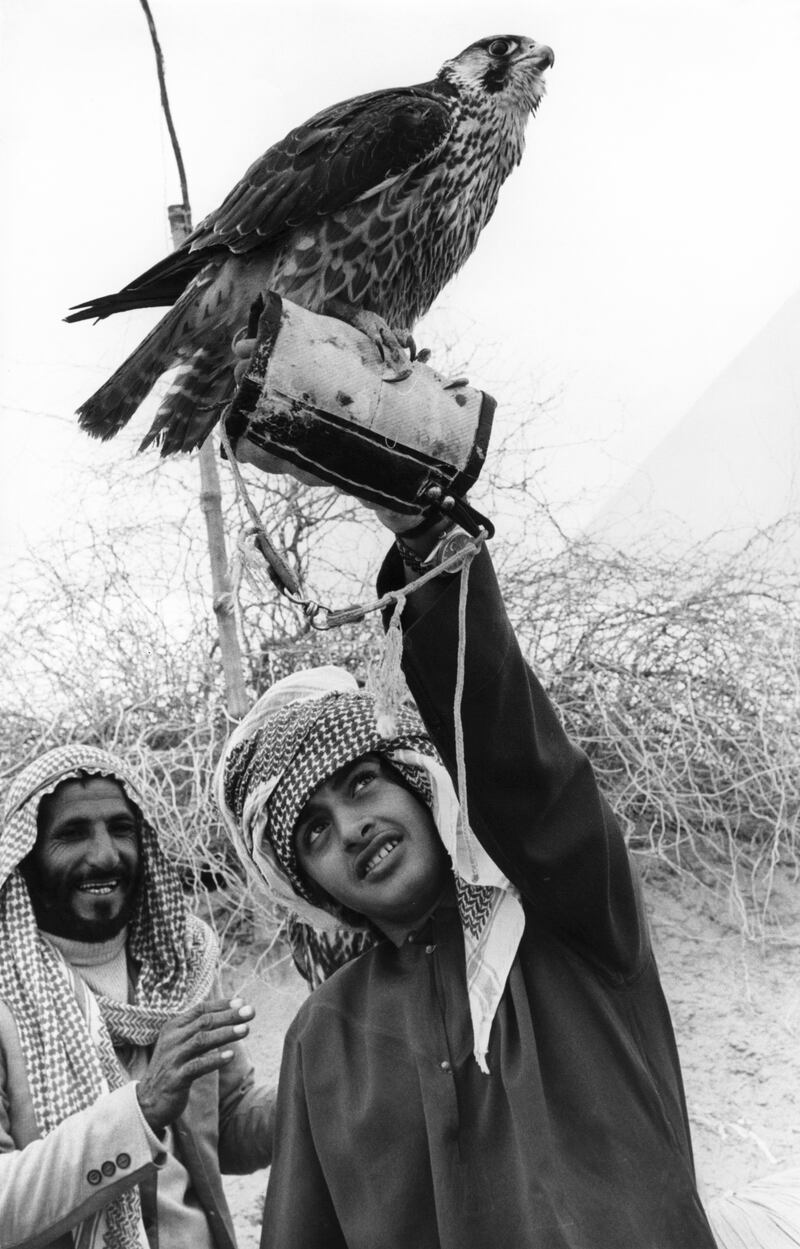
(451, 542)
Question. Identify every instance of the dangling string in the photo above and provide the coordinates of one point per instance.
(255, 538)
(461, 775)
(388, 685)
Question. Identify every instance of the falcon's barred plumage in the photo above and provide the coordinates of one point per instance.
(370, 207)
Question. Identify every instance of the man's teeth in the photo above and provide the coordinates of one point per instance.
(98, 886)
(385, 850)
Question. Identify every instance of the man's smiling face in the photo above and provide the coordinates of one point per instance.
(83, 872)
(371, 845)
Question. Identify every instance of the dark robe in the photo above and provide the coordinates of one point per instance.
(388, 1135)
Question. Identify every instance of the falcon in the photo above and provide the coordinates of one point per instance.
(363, 212)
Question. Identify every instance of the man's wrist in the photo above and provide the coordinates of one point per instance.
(148, 1111)
(415, 547)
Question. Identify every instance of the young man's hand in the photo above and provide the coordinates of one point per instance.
(190, 1045)
(243, 349)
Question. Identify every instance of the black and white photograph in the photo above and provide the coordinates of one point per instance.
(400, 625)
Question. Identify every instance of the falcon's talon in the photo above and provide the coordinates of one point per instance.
(454, 382)
(423, 355)
(399, 376)
(402, 340)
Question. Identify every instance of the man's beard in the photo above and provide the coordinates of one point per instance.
(56, 913)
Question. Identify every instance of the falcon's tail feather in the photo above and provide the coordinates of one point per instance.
(190, 409)
(110, 408)
(193, 404)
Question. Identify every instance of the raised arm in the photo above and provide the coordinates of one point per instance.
(532, 796)
(533, 799)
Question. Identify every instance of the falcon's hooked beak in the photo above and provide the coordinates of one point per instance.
(542, 57)
(533, 62)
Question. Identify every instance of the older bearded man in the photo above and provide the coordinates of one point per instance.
(124, 1089)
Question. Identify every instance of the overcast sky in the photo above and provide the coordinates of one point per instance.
(650, 231)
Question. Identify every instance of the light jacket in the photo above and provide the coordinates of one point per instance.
(48, 1185)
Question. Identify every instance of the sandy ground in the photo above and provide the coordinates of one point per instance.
(736, 1010)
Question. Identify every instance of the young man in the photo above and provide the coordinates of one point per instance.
(124, 1090)
(499, 1069)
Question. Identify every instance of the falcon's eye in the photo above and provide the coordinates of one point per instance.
(501, 47)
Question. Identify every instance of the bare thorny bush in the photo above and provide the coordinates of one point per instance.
(680, 678)
(108, 639)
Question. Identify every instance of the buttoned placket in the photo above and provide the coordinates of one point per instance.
(443, 1078)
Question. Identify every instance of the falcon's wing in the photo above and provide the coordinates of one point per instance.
(340, 155)
(333, 159)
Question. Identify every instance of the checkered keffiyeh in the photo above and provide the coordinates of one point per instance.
(284, 749)
(69, 1050)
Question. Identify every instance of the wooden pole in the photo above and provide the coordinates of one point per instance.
(180, 224)
(236, 698)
